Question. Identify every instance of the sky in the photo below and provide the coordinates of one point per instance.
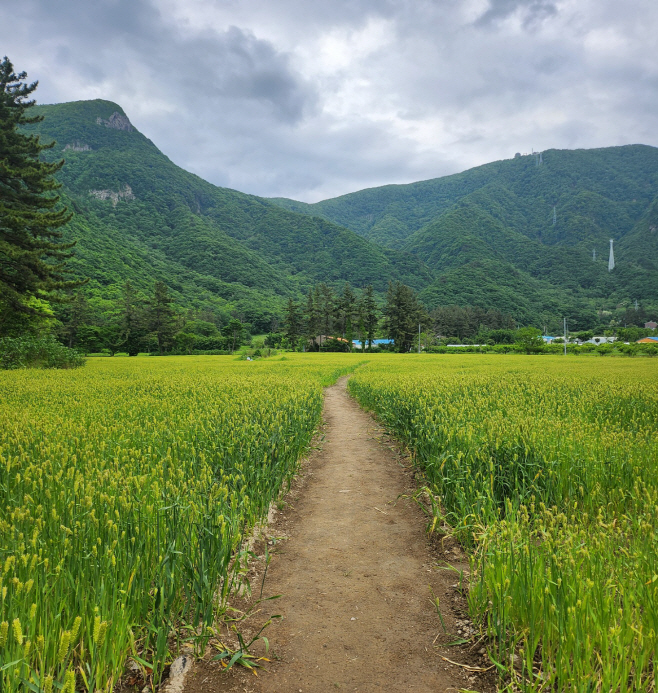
(311, 99)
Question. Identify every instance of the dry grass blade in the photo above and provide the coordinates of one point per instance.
(467, 666)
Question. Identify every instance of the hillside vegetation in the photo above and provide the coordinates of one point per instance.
(139, 217)
(518, 235)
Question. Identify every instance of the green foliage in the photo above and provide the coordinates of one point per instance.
(32, 254)
(489, 236)
(37, 352)
(466, 322)
(547, 468)
(529, 339)
(138, 217)
(403, 316)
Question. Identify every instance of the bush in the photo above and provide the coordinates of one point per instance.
(332, 344)
(37, 352)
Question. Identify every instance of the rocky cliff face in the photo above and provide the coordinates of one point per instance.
(125, 194)
(78, 147)
(116, 121)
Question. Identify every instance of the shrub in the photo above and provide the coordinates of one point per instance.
(37, 352)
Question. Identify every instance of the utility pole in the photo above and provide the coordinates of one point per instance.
(565, 336)
(419, 338)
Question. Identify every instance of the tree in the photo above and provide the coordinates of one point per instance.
(32, 255)
(403, 313)
(529, 339)
(370, 314)
(346, 310)
(131, 321)
(233, 331)
(75, 316)
(326, 308)
(311, 319)
(162, 317)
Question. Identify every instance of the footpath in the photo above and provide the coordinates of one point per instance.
(355, 572)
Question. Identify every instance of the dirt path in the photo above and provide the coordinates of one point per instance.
(354, 575)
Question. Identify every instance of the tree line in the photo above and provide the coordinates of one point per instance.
(136, 323)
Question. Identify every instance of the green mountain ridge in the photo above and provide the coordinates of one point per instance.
(140, 217)
(518, 235)
(515, 235)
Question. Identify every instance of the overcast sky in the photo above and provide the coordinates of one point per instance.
(311, 99)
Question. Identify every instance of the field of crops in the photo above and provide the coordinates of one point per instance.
(128, 486)
(125, 489)
(548, 468)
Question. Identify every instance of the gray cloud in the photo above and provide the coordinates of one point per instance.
(310, 99)
(533, 12)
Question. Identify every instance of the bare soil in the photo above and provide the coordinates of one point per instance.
(354, 566)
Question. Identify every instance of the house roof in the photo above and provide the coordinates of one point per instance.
(648, 340)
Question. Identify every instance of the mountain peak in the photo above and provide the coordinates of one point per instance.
(116, 121)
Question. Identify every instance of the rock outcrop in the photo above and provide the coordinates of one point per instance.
(78, 147)
(116, 121)
(125, 194)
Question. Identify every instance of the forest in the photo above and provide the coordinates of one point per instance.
(525, 239)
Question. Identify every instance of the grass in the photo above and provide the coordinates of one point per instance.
(547, 468)
(126, 489)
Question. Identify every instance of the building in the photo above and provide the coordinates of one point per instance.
(648, 340)
(322, 338)
(651, 325)
(375, 342)
(601, 340)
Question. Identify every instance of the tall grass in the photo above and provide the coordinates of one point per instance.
(548, 468)
(126, 489)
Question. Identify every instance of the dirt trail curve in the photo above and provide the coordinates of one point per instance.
(355, 574)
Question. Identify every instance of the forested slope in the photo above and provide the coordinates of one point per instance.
(528, 235)
(138, 216)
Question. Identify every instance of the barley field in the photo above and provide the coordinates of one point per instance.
(126, 489)
(547, 468)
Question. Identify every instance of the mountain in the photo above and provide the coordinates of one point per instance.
(519, 235)
(140, 217)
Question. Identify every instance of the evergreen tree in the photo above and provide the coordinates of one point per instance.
(311, 319)
(292, 323)
(326, 310)
(346, 310)
(32, 256)
(370, 314)
(131, 321)
(75, 316)
(361, 324)
(403, 314)
(162, 317)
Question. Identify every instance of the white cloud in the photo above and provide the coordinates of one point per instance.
(309, 99)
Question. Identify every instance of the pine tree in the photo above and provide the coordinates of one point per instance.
(326, 309)
(162, 317)
(131, 320)
(370, 314)
(32, 256)
(403, 314)
(311, 319)
(346, 311)
(74, 316)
